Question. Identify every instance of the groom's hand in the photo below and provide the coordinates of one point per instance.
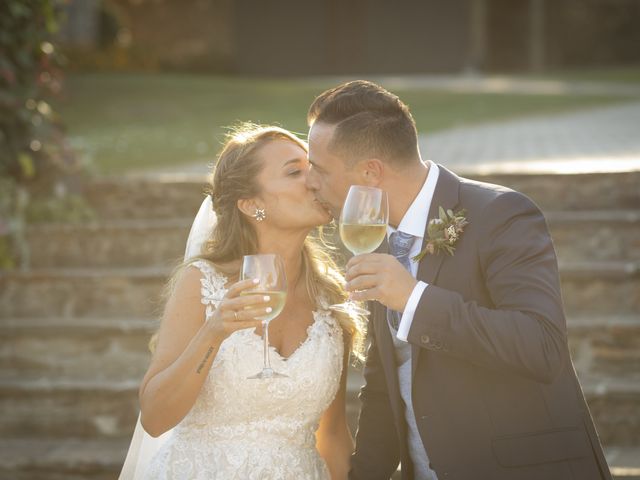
(381, 277)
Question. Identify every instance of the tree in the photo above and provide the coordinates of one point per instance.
(40, 176)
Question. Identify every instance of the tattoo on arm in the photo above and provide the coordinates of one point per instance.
(204, 360)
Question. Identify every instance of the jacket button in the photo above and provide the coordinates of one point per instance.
(425, 338)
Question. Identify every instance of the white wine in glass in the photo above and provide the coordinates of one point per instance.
(362, 238)
(268, 269)
(363, 226)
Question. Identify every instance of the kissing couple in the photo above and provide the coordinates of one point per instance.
(467, 373)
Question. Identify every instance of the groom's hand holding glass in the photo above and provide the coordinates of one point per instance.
(371, 276)
(380, 277)
(363, 225)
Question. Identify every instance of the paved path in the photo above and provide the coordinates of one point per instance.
(602, 139)
(598, 139)
(507, 84)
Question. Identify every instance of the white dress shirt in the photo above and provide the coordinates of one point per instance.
(414, 223)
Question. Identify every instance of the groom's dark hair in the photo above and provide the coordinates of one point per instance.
(370, 121)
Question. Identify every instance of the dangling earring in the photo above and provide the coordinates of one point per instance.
(260, 214)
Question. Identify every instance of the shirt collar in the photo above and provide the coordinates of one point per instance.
(414, 221)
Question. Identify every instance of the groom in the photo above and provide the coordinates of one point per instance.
(468, 376)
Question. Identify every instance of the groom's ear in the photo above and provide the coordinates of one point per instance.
(373, 172)
(247, 206)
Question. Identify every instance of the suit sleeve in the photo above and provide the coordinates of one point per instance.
(525, 330)
(376, 455)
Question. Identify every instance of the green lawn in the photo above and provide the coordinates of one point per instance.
(140, 121)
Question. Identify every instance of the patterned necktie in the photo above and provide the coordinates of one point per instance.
(399, 246)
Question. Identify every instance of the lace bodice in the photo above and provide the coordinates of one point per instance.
(256, 429)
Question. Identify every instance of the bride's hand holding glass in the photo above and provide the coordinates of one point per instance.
(268, 270)
(239, 310)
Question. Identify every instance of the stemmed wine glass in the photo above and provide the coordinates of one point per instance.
(268, 269)
(363, 226)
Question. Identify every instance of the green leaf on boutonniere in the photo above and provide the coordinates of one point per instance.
(443, 233)
(443, 214)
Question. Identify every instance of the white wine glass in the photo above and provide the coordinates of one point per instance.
(363, 226)
(268, 269)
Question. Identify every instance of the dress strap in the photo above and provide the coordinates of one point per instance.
(212, 286)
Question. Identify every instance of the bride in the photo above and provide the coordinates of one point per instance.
(223, 425)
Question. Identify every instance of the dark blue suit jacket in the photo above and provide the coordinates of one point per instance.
(495, 394)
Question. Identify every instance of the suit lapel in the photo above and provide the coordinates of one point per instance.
(446, 195)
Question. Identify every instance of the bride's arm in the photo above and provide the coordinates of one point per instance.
(185, 351)
(333, 438)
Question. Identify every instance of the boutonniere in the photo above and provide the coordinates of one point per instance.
(443, 233)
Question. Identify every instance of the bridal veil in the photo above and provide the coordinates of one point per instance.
(143, 446)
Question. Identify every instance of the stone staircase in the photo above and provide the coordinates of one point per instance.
(75, 326)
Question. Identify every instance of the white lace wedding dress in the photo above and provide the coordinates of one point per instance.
(255, 429)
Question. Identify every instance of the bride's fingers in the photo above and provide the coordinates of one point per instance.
(245, 307)
(235, 289)
(239, 303)
(249, 314)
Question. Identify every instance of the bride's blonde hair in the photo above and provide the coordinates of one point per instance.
(235, 177)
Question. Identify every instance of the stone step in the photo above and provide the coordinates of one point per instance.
(55, 408)
(62, 458)
(102, 459)
(584, 235)
(613, 403)
(124, 243)
(147, 196)
(606, 345)
(112, 349)
(176, 196)
(588, 287)
(116, 292)
(595, 235)
(601, 288)
(73, 459)
(58, 408)
(581, 191)
(624, 462)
